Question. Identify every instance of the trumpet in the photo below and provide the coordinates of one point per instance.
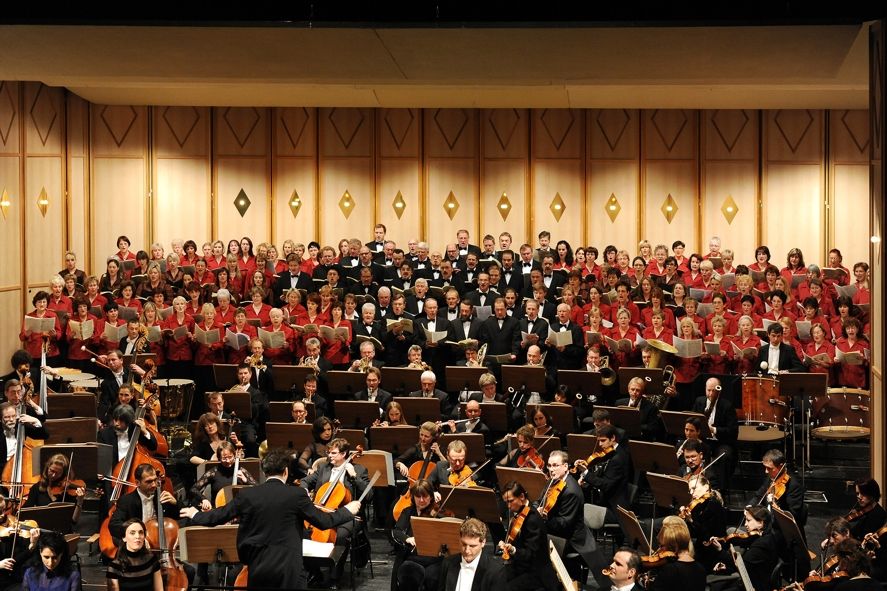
(608, 374)
(419, 365)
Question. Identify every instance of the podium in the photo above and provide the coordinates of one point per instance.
(288, 435)
(345, 384)
(401, 380)
(418, 410)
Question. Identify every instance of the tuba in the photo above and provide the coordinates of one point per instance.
(608, 374)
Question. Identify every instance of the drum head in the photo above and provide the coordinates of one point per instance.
(178, 382)
(85, 384)
(754, 434)
(839, 432)
(77, 377)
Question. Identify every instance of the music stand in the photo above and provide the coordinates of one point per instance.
(493, 414)
(74, 430)
(90, 459)
(653, 457)
(581, 446)
(354, 437)
(533, 481)
(65, 406)
(587, 383)
(394, 439)
(674, 421)
(803, 384)
(286, 376)
(529, 378)
(418, 410)
(625, 418)
(472, 501)
(789, 528)
(56, 517)
(289, 435)
(401, 380)
(209, 544)
(669, 491)
(652, 377)
(437, 536)
(282, 412)
(358, 414)
(634, 533)
(460, 377)
(561, 416)
(345, 384)
(237, 403)
(251, 465)
(375, 460)
(225, 375)
(475, 450)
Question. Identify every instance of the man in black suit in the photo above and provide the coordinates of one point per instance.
(472, 421)
(435, 354)
(271, 516)
(293, 278)
(123, 424)
(252, 430)
(565, 518)
(529, 567)
(651, 424)
(608, 478)
(465, 326)
(452, 466)
(112, 378)
(483, 295)
(510, 275)
(327, 262)
(366, 326)
(463, 247)
(373, 392)
(140, 503)
(365, 285)
(15, 392)
(536, 329)
(570, 356)
(527, 263)
(723, 426)
(428, 381)
(377, 244)
(550, 278)
(397, 338)
(487, 574)
(448, 278)
(365, 261)
(262, 371)
(779, 357)
(498, 332)
(415, 302)
(624, 569)
(33, 428)
(128, 343)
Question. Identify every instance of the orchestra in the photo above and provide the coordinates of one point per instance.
(424, 314)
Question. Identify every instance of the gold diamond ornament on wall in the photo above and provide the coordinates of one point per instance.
(451, 205)
(729, 209)
(612, 207)
(242, 202)
(557, 207)
(346, 204)
(5, 203)
(43, 201)
(669, 208)
(295, 203)
(504, 206)
(399, 204)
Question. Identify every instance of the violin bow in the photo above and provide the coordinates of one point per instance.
(460, 483)
(67, 476)
(769, 488)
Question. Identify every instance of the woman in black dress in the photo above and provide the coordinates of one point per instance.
(135, 568)
(411, 571)
(681, 571)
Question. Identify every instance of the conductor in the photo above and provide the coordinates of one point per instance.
(269, 539)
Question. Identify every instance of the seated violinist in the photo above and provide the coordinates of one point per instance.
(781, 488)
(867, 515)
(857, 565)
(12, 567)
(695, 454)
(453, 470)
(525, 456)
(57, 485)
(525, 548)
(836, 531)
(706, 517)
(679, 570)
(760, 555)
(411, 571)
(606, 472)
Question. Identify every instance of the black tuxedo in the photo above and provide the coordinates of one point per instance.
(725, 422)
(474, 297)
(269, 539)
(358, 328)
(455, 281)
(284, 283)
(792, 500)
(499, 340)
(318, 277)
(516, 282)
(470, 249)
(490, 574)
(263, 379)
(411, 305)
(371, 290)
(474, 329)
(383, 397)
(109, 435)
(547, 310)
(378, 272)
(108, 390)
(566, 520)
(573, 356)
(540, 329)
(788, 358)
(376, 247)
(609, 477)
(651, 426)
(32, 432)
(395, 347)
(558, 279)
(519, 265)
(130, 506)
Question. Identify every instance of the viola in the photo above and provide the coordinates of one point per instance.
(462, 476)
(551, 496)
(779, 485)
(530, 459)
(514, 531)
(738, 538)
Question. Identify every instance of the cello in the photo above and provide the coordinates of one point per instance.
(124, 480)
(165, 538)
(417, 472)
(329, 497)
(224, 496)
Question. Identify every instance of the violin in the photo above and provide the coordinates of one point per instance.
(779, 485)
(463, 475)
(70, 488)
(817, 581)
(857, 513)
(658, 558)
(551, 496)
(514, 531)
(738, 538)
(16, 527)
(872, 540)
(530, 459)
(687, 512)
(595, 458)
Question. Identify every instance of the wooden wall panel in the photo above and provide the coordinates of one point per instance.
(295, 169)
(45, 243)
(10, 113)
(730, 181)
(11, 223)
(446, 175)
(550, 179)
(11, 313)
(78, 179)
(505, 139)
(613, 134)
(45, 120)
(119, 152)
(242, 162)
(346, 164)
(399, 170)
(182, 132)
(853, 228)
(450, 133)
(557, 133)
(670, 134)
(793, 191)
(677, 179)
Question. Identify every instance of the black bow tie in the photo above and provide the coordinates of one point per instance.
(547, 276)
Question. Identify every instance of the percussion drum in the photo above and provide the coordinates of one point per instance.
(841, 413)
(764, 411)
(69, 378)
(85, 385)
(176, 396)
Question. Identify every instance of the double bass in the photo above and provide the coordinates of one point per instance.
(165, 538)
(152, 403)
